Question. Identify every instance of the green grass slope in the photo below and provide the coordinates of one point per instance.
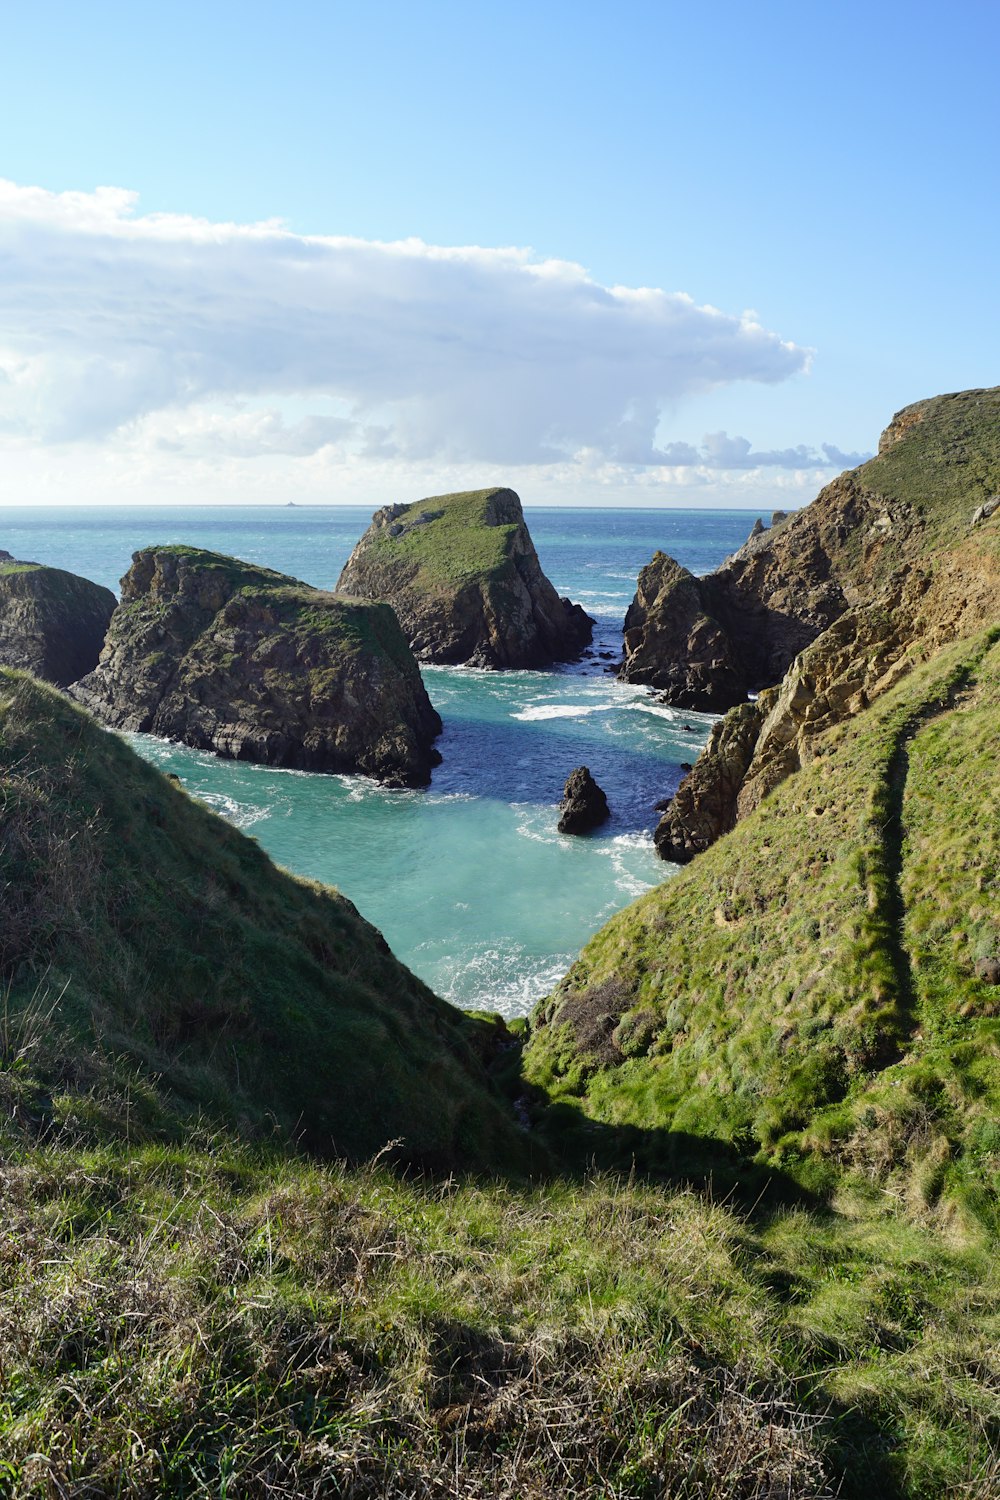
(806, 992)
(155, 965)
(457, 547)
(942, 458)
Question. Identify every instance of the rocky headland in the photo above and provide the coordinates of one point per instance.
(230, 657)
(827, 610)
(463, 576)
(52, 623)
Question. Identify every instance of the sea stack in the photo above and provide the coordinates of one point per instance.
(584, 806)
(235, 658)
(463, 576)
(52, 623)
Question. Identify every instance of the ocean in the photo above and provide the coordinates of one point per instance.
(469, 881)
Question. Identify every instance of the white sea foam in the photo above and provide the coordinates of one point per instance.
(562, 710)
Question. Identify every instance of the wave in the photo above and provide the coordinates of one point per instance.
(562, 711)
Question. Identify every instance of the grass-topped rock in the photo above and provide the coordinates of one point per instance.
(462, 574)
(156, 969)
(52, 623)
(235, 658)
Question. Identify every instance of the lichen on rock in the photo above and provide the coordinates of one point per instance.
(227, 656)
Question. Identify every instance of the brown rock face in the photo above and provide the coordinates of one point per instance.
(237, 659)
(784, 586)
(704, 805)
(584, 805)
(52, 623)
(673, 643)
(917, 574)
(463, 576)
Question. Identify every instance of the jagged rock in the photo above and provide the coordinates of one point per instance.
(984, 511)
(231, 657)
(463, 576)
(584, 805)
(704, 805)
(943, 585)
(673, 643)
(52, 623)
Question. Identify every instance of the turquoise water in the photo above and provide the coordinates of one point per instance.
(469, 881)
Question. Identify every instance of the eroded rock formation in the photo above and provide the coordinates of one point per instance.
(463, 576)
(52, 623)
(230, 657)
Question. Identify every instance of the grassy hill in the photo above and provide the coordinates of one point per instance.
(157, 967)
(807, 991)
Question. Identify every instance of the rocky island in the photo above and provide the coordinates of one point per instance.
(52, 623)
(463, 576)
(227, 656)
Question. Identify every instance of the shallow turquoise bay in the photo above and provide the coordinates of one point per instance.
(469, 881)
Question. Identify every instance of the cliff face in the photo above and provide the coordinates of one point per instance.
(463, 576)
(673, 643)
(237, 659)
(52, 623)
(901, 554)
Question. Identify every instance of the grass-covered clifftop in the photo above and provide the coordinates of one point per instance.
(190, 1306)
(157, 967)
(462, 574)
(807, 991)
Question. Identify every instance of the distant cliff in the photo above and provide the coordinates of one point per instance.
(52, 623)
(463, 576)
(234, 658)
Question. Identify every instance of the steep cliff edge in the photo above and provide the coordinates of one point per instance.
(821, 989)
(157, 968)
(231, 657)
(916, 564)
(463, 576)
(52, 623)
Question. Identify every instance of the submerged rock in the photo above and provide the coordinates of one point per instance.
(463, 576)
(231, 657)
(584, 805)
(52, 623)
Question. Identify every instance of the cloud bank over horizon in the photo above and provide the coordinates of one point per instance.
(169, 339)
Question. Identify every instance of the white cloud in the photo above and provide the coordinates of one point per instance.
(169, 331)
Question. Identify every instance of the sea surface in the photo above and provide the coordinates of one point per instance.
(469, 881)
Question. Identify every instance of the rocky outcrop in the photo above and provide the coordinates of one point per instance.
(584, 806)
(673, 643)
(463, 576)
(704, 805)
(52, 623)
(234, 658)
(767, 602)
(922, 573)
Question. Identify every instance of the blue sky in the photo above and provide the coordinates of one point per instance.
(831, 168)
